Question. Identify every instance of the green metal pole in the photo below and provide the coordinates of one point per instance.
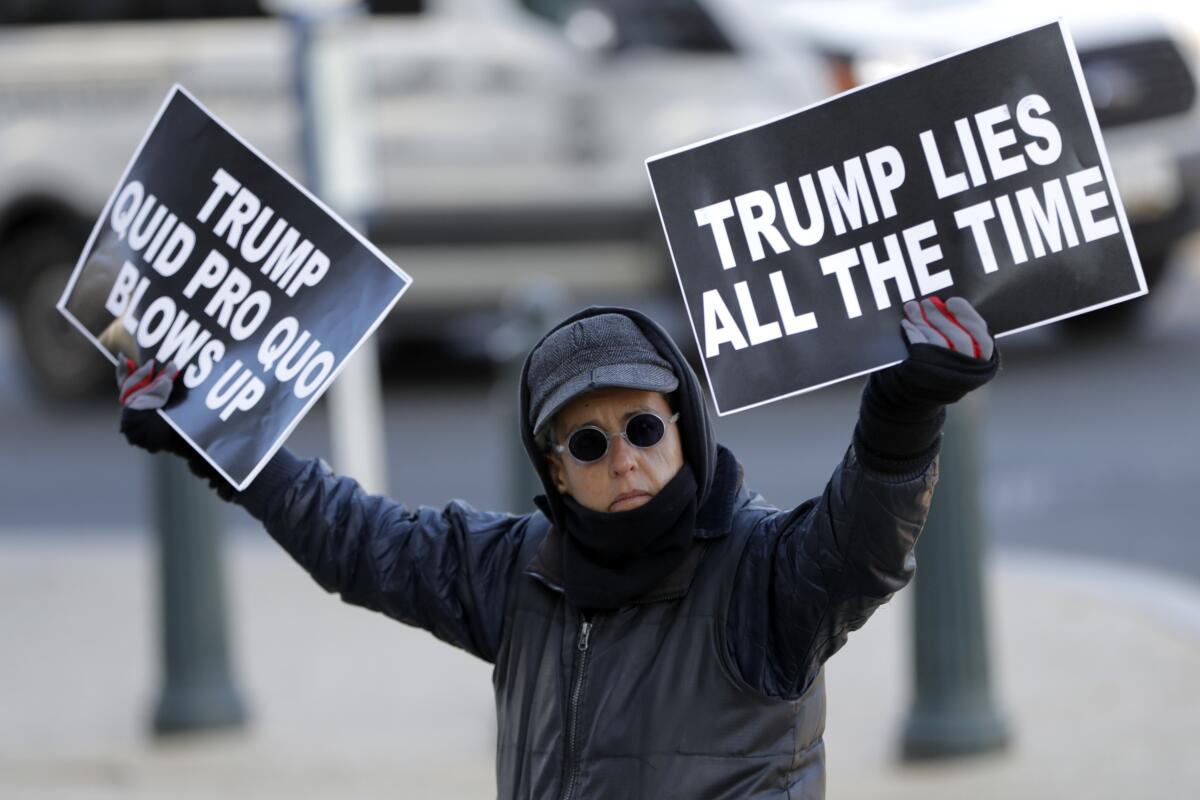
(953, 713)
(532, 309)
(198, 690)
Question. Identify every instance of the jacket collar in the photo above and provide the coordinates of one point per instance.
(713, 521)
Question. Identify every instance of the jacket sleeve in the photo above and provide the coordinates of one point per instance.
(445, 570)
(811, 575)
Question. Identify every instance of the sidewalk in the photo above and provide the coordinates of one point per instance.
(1096, 666)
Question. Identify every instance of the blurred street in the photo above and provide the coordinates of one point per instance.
(1093, 585)
(1095, 667)
(1089, 445)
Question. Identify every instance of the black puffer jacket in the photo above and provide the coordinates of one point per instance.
(708, 687)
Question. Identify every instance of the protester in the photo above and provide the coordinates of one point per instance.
(657, 629)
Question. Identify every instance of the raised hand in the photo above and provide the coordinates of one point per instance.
(142, 391)
(954, 324)
(141, 388)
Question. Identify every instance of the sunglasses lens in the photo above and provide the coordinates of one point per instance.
(587, 444)
(644, 430)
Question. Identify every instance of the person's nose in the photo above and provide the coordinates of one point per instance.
(622, 459)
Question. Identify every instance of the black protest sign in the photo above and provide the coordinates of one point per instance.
(207, 255)
(797, 241)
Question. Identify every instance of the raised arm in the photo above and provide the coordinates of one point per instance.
(446, 570)
(811, 575)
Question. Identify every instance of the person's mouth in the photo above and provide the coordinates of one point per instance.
(629, 500)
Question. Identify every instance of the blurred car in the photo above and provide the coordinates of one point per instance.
(508, 140)
(1138, 61)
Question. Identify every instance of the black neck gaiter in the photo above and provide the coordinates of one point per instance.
(610, 559)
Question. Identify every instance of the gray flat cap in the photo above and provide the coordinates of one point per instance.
(600, 352)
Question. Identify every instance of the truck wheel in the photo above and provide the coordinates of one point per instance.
(62, 362)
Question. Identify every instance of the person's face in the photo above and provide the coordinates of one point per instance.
(627, 476)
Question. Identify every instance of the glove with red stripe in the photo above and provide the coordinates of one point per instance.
(954, 324)
(141, 388)
(950, 353)
(144, 390)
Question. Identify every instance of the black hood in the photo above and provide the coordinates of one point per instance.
(695, 427)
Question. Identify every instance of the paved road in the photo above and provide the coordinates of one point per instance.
(1090, 447)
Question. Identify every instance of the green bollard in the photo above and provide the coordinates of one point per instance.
(953, 713)
(198, 691)
(531, 311)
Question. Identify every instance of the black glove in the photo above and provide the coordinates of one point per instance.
(950, 353)
(144, 390)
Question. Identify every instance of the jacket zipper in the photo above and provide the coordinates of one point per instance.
(585, 632)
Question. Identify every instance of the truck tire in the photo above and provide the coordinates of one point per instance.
(62, 363)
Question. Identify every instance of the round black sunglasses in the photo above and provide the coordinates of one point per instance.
(589, 443)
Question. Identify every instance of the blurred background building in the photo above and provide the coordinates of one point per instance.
(506, 142)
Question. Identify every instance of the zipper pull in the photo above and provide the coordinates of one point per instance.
(585, 631)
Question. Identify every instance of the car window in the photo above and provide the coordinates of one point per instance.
(42, 12)
(48, 12)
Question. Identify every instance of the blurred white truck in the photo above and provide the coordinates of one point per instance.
(507, 145)
(507, 139)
